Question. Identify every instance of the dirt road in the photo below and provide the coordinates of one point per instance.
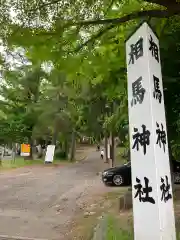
(40, 202)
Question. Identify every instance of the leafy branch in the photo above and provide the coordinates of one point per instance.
(137, 14)
(116, 21)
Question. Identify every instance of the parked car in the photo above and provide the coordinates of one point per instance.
(121, 176)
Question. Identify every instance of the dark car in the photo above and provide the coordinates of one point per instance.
(118, 175)
(121, 176)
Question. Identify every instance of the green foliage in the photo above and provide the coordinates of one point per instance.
(83, 87)
(18, 162)
(114, 232)
(60, 155)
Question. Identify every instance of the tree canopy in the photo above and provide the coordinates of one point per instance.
(63, 67)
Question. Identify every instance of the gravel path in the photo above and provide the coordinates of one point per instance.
(40, 202)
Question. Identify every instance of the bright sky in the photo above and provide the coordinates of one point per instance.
(17, 57)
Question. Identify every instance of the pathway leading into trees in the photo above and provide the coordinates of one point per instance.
(40, 202)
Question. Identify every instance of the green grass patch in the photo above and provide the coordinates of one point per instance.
(178, 235)
(20, 162)
(119, 152)
(114, 232)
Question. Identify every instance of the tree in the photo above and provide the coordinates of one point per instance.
(84, 77)
(21, 92)
(48, 20)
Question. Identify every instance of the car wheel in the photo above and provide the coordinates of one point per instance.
(118, 180)
(176, 177)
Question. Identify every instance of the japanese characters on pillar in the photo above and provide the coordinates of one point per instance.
(151, 180)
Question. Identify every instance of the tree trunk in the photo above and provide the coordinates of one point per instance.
(112, 150)
(54, 138)
(112, 138)
(1, 156)
(73, 146)
(13, 151)
(66, 147)
(31, 142)
(106, 148)
(31, 150)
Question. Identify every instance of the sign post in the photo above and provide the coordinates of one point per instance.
(49, 154)
(25, 150)
(151, 179)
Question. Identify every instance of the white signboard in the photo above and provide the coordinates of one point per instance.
(151, 180)
(23, 154)
(108, 150)
(49, 154)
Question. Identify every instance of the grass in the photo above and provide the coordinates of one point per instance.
(124, 232)
(20, 162)
(118, 154)
(83, 228)
(116, 233)
(119, 224)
